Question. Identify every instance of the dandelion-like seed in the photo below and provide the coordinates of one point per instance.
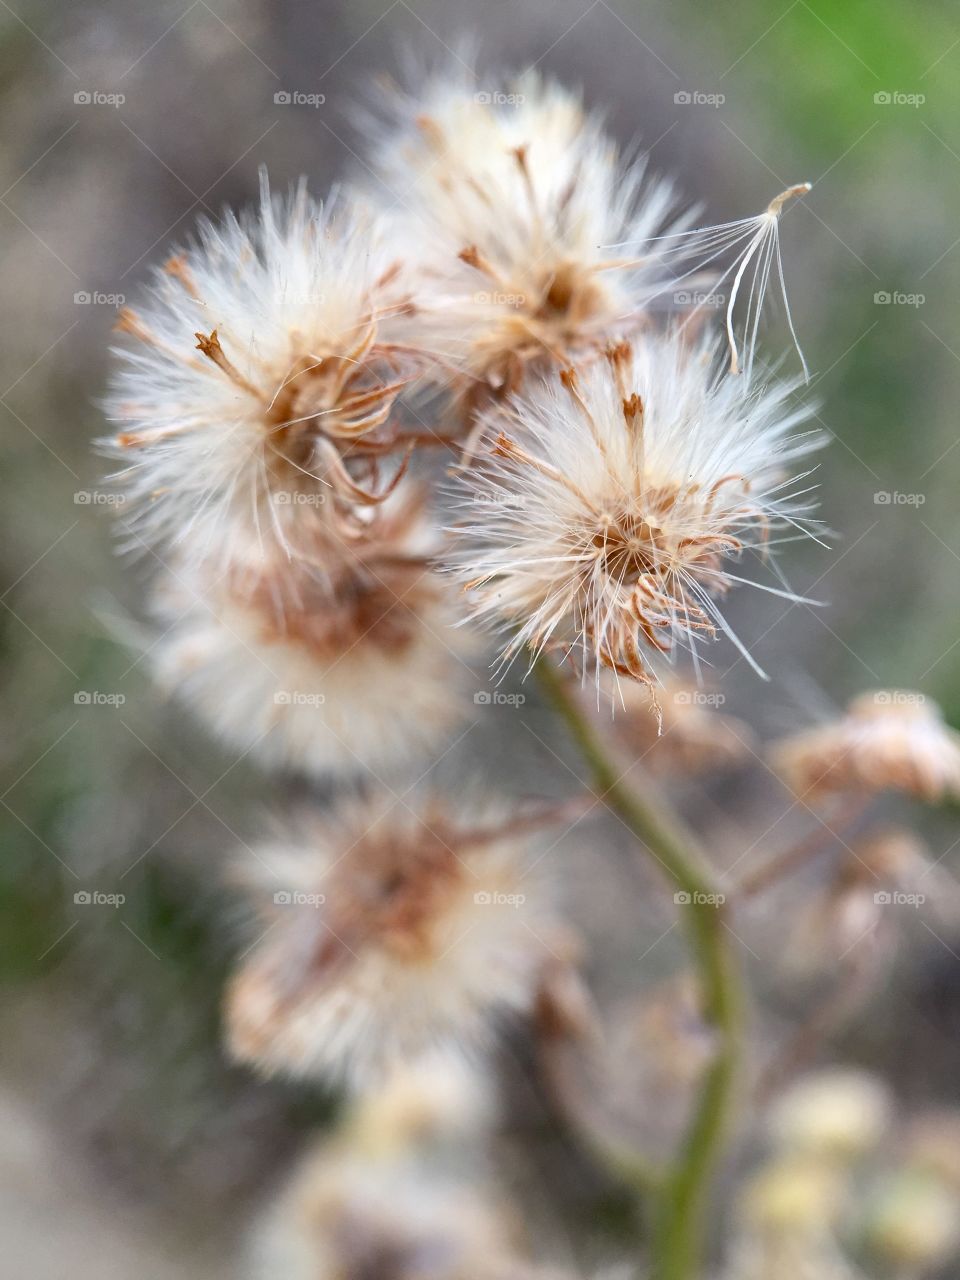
(608, 504)
(400, 930)
(254, 400)
(323, 668)
(751, 248)
(887, 740)
(505, 199)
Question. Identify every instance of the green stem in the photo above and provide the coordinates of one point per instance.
(678, 1236)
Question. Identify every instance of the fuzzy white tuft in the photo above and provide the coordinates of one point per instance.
(402, 929)
(257, 362)
(320, 670)
(607, 505)
(503, 195)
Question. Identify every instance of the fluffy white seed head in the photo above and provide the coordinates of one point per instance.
(503, 195)
(317, 668)
(400, 928)
(256, 385)
(607, 504)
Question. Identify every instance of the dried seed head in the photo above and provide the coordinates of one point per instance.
(254, 399)
(891, 856)
(854, 923)
(401, 930)
(842, 933)
(887, 740)
(507, 196)
(605, 507)
(319, 668)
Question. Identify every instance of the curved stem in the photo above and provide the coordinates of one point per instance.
(797, 855)
(581, 1114)
(678, 1237)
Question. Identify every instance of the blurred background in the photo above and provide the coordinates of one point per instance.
(129, 1142)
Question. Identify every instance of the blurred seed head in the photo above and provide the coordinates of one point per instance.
(437, 1099)
(510, 190)
(913, 1221)
(345, 1217)
(932, 1145)
(789, 1257)
(887, 740)
(406, 926)
(796, 1195)
(837, 1114)
(329, 670)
